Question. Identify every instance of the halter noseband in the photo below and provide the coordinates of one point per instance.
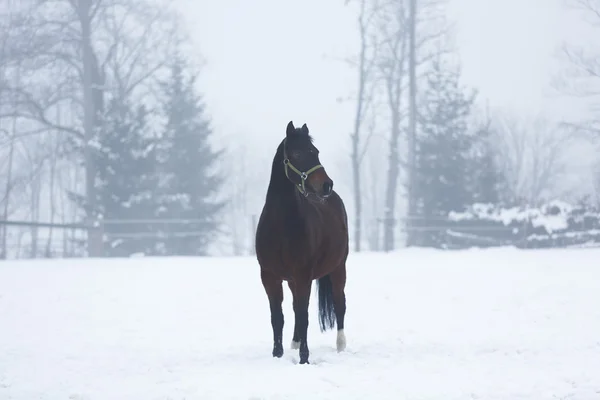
(303, 175)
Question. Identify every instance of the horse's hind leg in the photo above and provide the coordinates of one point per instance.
(338, 283)
(273, 287)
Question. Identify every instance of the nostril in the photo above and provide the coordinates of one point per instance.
(327, 186)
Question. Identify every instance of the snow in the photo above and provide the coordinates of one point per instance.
(421, 324)
(539, 217)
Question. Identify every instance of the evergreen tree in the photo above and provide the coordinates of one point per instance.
(188, 168)
(125, 177)
(488, 181)
(596, 184)
(444, 144)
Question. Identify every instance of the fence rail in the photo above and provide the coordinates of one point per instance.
(90, 238)
(33, 224)
(39, 232)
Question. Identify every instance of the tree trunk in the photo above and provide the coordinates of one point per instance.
(11, 152)
(36, 190)
(357, 195)
(394, 77)
(358, 120)
(11, 156)
(52, 183)
(389, 218)
(90, 112)
(412, 123)
(355, 159)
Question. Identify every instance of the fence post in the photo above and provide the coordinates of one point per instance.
(253, 235)
(96, 238)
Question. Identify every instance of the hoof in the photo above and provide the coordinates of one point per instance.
(341, 341)
(304, 355)
(278, 351)
(295, 345)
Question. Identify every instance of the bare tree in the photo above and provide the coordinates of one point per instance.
(548, 147)
(35, 192)
(511, 145)
(238, 212)
(7, 192)
(365, 64)
(412, 117)
(10, 182)
(243, 200)
(580, 77)
(375, 185)
(533, 154)
(75, 53)
(397, 19)
(392, 65)
(52, 142)
(7, 137)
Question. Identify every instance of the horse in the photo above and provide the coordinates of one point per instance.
(301, 236)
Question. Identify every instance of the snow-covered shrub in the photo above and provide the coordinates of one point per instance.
(555, 224)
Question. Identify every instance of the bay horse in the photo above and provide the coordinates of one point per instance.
(302, 235)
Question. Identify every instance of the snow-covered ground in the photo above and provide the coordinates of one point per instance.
(421, 324)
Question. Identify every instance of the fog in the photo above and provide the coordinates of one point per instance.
(259, 65)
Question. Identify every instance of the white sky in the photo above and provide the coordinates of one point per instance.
(271, 61)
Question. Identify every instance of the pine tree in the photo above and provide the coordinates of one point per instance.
(596, 183)
(188, 167)
(487, 179)
(125, 177)
(443, 146)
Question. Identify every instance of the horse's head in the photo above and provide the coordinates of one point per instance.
(301, 163)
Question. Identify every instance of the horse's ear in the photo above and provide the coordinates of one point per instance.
(304, 129)
(291, 129)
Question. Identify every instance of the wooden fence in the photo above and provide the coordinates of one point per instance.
(93, 231)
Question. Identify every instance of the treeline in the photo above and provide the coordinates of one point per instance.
(424, 144)
(414, 144)
(101, 120)
(158, 182)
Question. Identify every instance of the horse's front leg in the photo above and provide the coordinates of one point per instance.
(301, 294)
(296, 338)
(273, 287)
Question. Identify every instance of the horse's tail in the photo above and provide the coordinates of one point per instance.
(326, 309)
